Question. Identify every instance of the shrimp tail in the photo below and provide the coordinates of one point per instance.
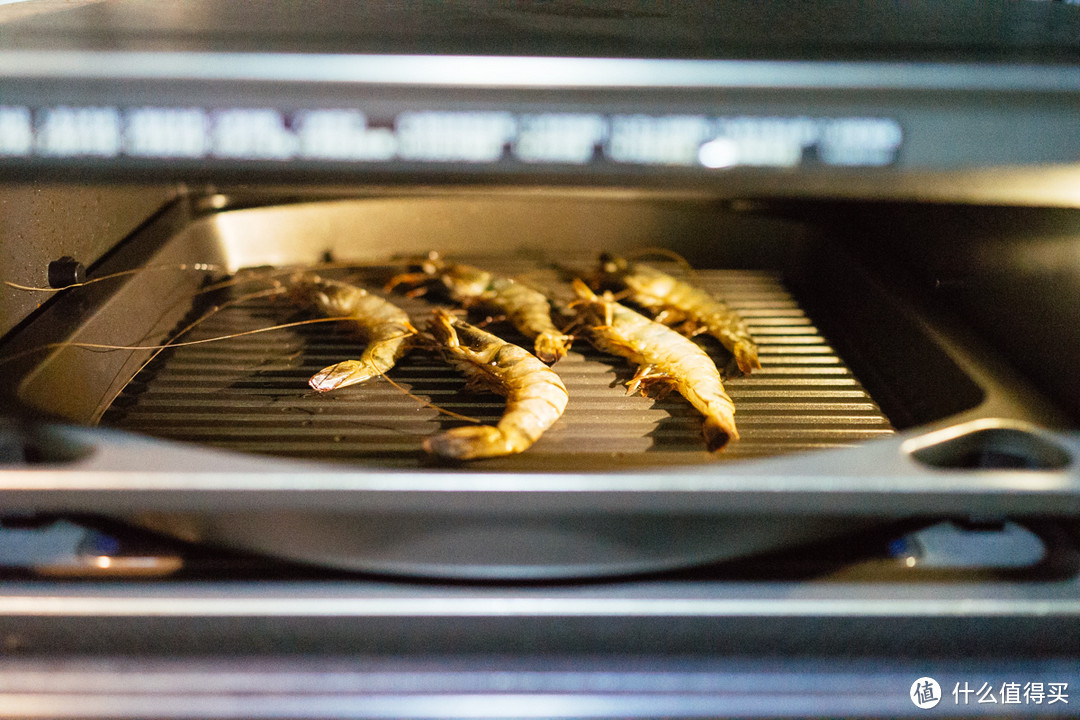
(718, 430)
(343, 374)
(746, 356)
(479, 441)
(551, 346)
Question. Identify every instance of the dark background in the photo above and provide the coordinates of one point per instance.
(832, 29)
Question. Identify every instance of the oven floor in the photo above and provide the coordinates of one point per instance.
(250, 393)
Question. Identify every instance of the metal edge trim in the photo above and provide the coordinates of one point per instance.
(533, 72)
(179, 606)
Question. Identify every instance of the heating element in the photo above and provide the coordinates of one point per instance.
(250, 393)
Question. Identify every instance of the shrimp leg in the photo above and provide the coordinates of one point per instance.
(663, 357)
(527, 309)
(693, 309)
(535, 395)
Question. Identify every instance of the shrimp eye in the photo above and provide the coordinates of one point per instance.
(433, 264)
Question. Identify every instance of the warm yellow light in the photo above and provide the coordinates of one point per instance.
(910, 562)
(103, 562)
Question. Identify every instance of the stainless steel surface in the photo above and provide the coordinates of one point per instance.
(989, 120)
(494, 687)
(820, 598)
(14, 10)
(43, 222)
(604, 28)
(463, 71)
(115, 473)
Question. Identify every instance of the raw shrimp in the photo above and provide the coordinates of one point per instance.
(535, 395)
(387, 328)
(664, 358)
(528, 310)
(678, 302)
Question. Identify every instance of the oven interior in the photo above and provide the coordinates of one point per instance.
(867, 363)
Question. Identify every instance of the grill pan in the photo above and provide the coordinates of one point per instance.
(240, 453)
(250, 393)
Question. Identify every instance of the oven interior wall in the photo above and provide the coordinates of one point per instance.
(44, 221)
(1009, 274)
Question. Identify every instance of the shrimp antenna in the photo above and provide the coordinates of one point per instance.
(246, 275)
(197, 267)
(237, 279)
(166, 346)
(427, 403)
(206, 316)
(651, 250)
(277, 291)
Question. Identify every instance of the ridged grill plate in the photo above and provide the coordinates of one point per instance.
(250, 393)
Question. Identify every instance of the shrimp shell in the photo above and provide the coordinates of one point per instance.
(527, 309)
(535, 395)
(387, 328)
(663, 358)
(679, 302)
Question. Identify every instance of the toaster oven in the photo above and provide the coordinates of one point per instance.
(188, 529)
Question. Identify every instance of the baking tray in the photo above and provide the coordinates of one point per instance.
(623, 486)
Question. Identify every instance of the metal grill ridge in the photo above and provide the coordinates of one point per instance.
(250, 393)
